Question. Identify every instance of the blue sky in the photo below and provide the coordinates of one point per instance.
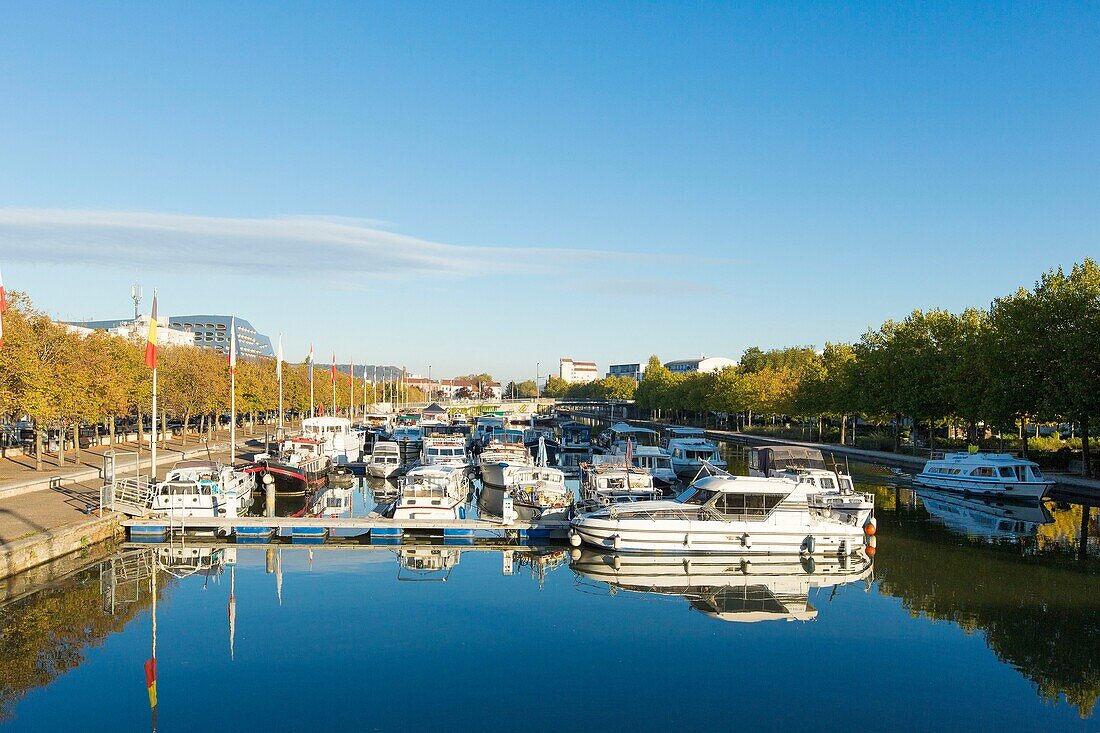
(487, 186)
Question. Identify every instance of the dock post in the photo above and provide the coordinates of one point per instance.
(269, 565)
(269, 499)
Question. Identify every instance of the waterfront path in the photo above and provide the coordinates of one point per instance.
(1078, 486)
(44, 515)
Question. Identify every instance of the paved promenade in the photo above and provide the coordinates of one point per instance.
(49, 513)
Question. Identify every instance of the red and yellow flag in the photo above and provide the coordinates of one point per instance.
(151, 341)
(333, 370)
(151, 681)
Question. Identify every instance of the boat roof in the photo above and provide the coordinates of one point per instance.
(685, 431)
(1001, 459)
(212, 465)
(326, 421)
(435, 408)
(623, 427)
(433, 469)
(691, 443)
(745, 484)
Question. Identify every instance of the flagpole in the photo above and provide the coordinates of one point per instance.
(351, 391)
(153, 452)
(232, 391)
(333, 373)
(310, 375)
(279, 371)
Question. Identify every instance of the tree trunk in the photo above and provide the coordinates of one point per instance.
(163, 430)
(61, 445)
(186, 425)
(1023, 434)
(1086, 456)
(843, 429)
(111, 430)
(931, 435)
(37, 447)
(820, 428)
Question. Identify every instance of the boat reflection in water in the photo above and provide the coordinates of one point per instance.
(726, 587)
(985, 518)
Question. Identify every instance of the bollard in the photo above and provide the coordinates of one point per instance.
(269, 499)
(270, 564)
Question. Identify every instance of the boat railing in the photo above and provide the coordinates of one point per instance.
(630, 510)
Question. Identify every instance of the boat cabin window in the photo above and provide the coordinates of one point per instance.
(697, 497)
(827, 483)
(846, 484)
(983, 471)
(1036, 473)
(1007, 472)
(750, 506)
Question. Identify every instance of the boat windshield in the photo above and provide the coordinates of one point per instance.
(696, 497)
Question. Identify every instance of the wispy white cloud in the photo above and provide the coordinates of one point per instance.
(342, 248)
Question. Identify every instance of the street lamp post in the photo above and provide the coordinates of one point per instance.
(538, 390)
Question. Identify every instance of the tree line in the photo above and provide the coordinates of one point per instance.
(1031, 357)
(60, 380)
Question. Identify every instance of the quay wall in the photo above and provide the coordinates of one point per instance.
(50, 544)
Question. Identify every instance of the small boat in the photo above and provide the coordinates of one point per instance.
(410, 440)
(534, 436)
(651, 459)
(690, 455)
(484, 428)
(442, 449)
(725, 513)
(431, 492)
(502, 454)
(203, 489)
(575, 436)
(385, 460)
(298, 467)
(336, 438)
(539, 492)
(605, 482)
(986, 474)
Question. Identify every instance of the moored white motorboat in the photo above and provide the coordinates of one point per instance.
(385, 460)
(431, 492)
(539, 492)
(690, 455)
(445, 450)
(203, 489)
(652, 459)
(613, 481)
(986, 474)
(575, 436)
(336, 438)
(724, 513)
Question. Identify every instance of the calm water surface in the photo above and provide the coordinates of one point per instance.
(973, 617)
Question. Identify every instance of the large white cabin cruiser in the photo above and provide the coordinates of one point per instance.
(336, 438)
(726, 587)
(689, 455)
(499, 462)
(986, 474)
(807, 465)
(431, 492)
(723, 513)
(385, 460)
(204, 489)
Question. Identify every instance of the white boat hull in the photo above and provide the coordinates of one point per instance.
(705, 536)
(1020, 490)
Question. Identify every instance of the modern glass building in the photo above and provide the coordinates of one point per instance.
(212, 332)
